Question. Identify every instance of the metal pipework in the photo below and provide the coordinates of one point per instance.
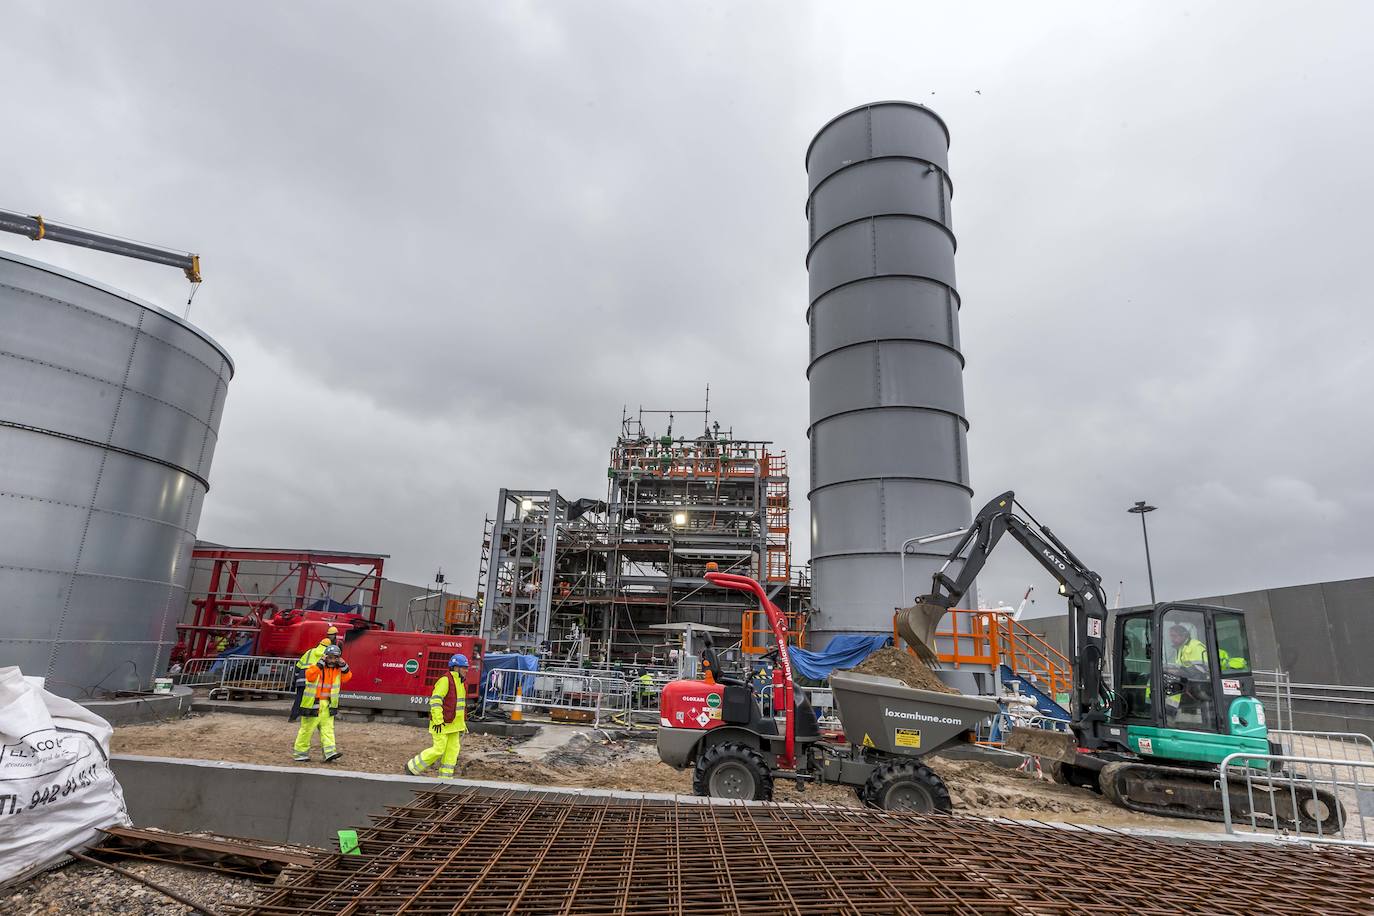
(39, 229)
(888, 449)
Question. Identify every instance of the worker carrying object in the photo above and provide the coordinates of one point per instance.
(324, 680)
(447, 708)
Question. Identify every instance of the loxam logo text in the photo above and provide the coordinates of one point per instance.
(920, 717)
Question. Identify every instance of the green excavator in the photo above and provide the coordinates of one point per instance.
(1184, 695)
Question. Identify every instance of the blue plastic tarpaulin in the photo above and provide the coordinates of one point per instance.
(498, 674)
(335, 607)
(245, 650)
(844, 651)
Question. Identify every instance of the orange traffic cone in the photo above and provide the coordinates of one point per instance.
(516, 714)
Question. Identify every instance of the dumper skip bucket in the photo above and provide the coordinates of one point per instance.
(884, 713)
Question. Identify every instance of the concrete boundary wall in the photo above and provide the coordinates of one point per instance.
(291, 804)
(310, 805)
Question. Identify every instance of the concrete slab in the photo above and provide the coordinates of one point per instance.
(550, 738)
(293, 805)
(146, 707)
(277, 708)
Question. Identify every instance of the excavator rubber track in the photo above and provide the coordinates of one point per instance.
(1195, 794)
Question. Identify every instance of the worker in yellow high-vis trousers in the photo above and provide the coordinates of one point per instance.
(446, 721)
(320, 705)
(308, 660)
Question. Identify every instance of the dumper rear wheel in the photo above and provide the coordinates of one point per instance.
(733, 771)
(907, 787)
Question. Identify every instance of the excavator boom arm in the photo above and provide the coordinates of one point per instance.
(1080, 586)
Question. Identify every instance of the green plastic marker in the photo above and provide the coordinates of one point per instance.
(348, 843)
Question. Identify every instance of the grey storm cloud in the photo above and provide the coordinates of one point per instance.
(446, 243)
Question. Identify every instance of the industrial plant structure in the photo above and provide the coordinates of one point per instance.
(889, 460)
(589, 579)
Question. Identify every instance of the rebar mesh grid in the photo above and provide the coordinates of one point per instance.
(535, 853)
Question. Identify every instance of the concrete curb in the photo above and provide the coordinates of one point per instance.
(148, 707)
(310, 805)
(299, 804)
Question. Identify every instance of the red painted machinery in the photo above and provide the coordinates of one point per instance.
(392, 669)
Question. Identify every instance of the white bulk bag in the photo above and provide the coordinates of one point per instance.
(56, 786)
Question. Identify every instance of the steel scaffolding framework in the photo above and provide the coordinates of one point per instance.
(637, 558)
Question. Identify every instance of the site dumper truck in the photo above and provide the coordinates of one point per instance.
(718, 728)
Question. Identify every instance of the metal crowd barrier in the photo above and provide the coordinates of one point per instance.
(1339, 762)
(544, 691)
(1274, 689)
(247, 673)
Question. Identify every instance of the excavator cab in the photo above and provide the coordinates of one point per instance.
(1184, 687)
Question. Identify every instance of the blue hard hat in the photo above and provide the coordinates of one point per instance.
(459, 660)
(333, 650)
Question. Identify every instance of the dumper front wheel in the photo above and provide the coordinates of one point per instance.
(733, 771)
(907, 787)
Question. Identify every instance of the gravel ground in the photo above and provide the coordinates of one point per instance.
(79, 888)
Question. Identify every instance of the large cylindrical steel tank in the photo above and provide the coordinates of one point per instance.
(109, 412)
(888, 449)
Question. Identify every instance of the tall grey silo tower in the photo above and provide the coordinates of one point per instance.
(888, 450)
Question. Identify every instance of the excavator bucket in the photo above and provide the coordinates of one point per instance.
(1042, 742)
(916, 625)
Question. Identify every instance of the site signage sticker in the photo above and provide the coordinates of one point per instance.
(713, 700)
(412, 666)
(908, 737)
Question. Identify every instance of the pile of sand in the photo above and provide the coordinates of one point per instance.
(903, 666)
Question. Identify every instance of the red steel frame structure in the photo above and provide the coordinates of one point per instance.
(245, 613)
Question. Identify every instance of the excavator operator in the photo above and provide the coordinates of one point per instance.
(1190, 654)
(1188, 649)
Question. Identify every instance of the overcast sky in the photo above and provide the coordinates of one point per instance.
(445, 244)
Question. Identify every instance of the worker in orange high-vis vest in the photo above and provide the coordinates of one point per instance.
(447, 704)
(320, 705)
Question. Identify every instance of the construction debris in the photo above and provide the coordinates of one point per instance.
(534, 852)
(261, 862)
(903, 666)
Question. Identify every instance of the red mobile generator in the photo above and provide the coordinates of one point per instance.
(392, 669)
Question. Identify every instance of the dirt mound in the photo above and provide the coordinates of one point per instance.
(903, 666)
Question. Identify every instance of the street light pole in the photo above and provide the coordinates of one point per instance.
(1140, 508)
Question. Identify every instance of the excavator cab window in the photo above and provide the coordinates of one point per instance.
(1137, 665)
(1188, 671)
(1233, 646)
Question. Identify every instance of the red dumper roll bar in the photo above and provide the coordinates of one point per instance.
(778, 622)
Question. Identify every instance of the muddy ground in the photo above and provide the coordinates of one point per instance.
(595, 759)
